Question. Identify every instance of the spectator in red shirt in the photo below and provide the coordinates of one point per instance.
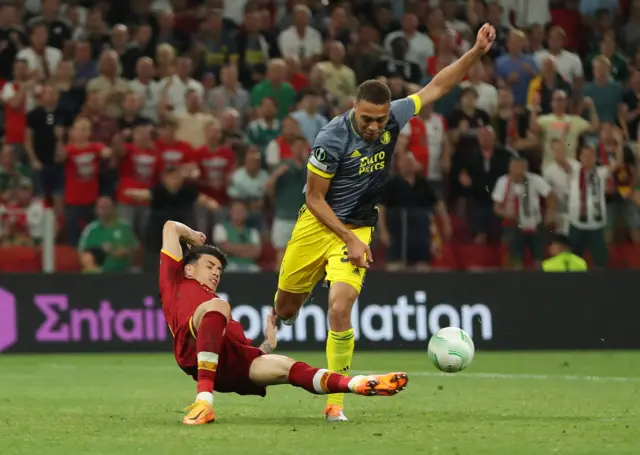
(172, 152)
(21, 218)
(445, 55)
(82, 186)
(139, 162)
(439, 30)
(18, 99)
(280, 148)
(216, 162)
(295, 76)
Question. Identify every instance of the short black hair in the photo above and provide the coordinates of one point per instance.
(194, 253)
(374, 92)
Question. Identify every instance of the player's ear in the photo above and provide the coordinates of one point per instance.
(189, 270)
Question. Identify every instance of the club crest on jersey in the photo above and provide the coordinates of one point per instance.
(385, 138)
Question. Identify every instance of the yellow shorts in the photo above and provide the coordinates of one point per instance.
(314, 249)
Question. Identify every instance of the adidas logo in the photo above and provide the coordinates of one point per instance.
(344, 370)
(355, 154)
(356, 272)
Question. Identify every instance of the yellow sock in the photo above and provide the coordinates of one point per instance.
(340, 347)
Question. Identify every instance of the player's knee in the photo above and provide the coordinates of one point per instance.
(218, 305)
(340, 311)
(288, 304)
(286, 313)
(341, 300)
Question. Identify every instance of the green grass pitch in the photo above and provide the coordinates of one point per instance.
(504, 404)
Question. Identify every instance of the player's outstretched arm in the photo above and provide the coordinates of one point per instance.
(172, 232)
(453, 74)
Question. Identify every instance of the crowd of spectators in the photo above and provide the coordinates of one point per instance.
(122, 114)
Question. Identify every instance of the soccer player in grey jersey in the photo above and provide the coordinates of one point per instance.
(348, 166)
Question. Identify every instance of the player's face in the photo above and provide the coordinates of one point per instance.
(370, 119)
(207, 270)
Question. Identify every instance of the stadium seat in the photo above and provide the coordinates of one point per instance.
(17, 259)
(477, 257)
(267, 260)
(66, 259)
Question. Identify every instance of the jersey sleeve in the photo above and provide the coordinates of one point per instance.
(406, 108)
(500, 190)
(542, 186)
(170, 270)
(326, 154)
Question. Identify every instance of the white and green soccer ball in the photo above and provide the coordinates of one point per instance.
(451, 349)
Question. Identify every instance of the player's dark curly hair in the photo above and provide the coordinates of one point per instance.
(194, 253)
(374, 92)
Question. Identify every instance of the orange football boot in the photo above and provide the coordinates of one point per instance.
(380, 385)
(200, 412)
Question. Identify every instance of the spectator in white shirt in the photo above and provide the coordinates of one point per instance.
(146, 88)
(558, 175)
(247, 182)
(569, 64)
(588, 206)
(175, 88)
(516, 199)
(19, 93)
(42, 59)
(420, 45)
(487, 93)
(525, 12)
(301, 39)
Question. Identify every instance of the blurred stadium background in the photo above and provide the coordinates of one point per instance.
(204, 111)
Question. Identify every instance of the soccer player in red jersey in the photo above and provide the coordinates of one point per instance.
(212, 348)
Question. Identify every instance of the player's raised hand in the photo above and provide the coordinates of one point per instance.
(485, 38)
(196, 238)
(359, 253)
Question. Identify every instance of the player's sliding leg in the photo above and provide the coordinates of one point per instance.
(340, 342)
(272, 369)
(209, 321)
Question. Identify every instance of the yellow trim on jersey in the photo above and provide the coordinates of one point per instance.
(171, 331)
(353, 128)
(166, 253)
(317, 171)
(192, 329)
(418, 102)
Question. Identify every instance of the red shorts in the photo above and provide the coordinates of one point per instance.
(232, 375)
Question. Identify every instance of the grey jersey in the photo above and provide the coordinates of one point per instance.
(358, 170)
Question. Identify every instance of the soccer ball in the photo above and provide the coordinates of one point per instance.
(451, 349)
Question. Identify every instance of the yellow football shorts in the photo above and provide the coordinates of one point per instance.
(313, 250)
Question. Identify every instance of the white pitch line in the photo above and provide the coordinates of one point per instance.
(429, 374)
(507, 376)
